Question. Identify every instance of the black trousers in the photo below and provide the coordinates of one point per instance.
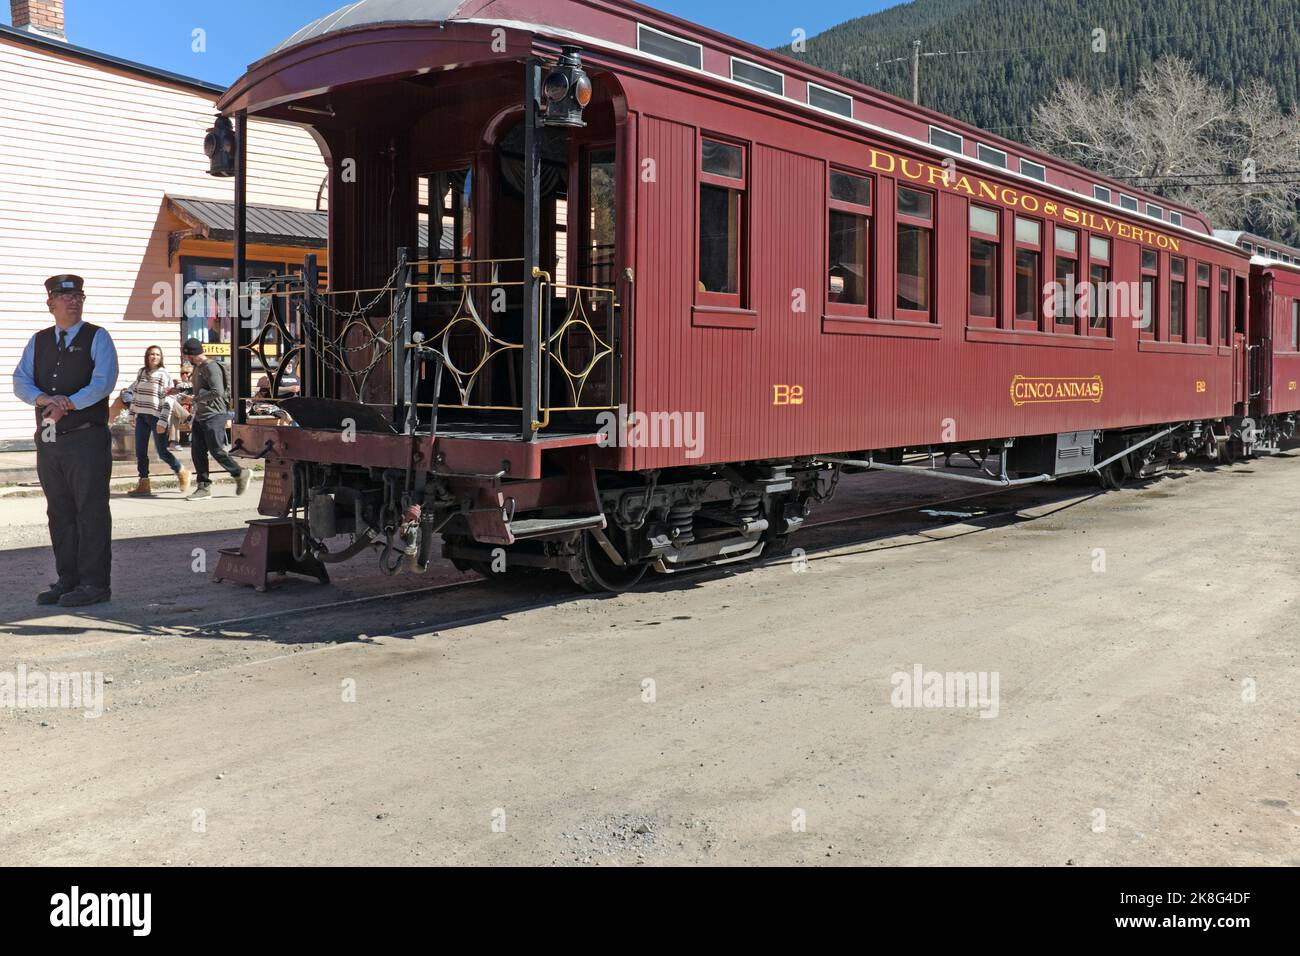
(74, 470)
(208, 437)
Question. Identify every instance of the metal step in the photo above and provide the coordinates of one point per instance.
(543, 527)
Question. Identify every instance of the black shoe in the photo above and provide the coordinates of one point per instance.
(84, 596)
(242, 479)
(52, 594)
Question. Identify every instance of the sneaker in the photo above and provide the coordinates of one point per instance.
(242, 479)
(202, 491)
(85, 596)
(52, 594)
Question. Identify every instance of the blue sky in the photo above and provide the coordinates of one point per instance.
(159, 32)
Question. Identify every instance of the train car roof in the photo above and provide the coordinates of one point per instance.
(579, 20)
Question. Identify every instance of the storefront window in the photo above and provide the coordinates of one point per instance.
(210, 300)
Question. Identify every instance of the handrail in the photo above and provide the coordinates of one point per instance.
(353, 336)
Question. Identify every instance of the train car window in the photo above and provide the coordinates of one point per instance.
(946, 140)
(1177, 299)
(723, 159)
(829, 100)
(1029, 268)
(1248, 247)
(760, 77)
(668, 47)
(915, 252)
(722, 222)
(1150, 293)
(984, 265)
(1128, 202)
(994, 157)
(1099, 288)
(1101, 193)
(1067, 278)
(596, 264)
(1154, 210)
(1202, 303)
(1175, 218)
(1225, 306)
(1033, 170)
(1295, 325)
(849, 225)
(847, 188)
(1240, 304)
(916, 204)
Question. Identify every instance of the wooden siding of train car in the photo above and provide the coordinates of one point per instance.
(869, 384)
(1274, 292)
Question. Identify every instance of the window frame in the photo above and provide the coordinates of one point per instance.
(1170, 334)
(1295, 325)
(1018, 245)
(931, 315)
(995, 240)
(1208, 286)
(669, 36)
(868, 212)
(762, 69)
(1097, 190)
(1106, 330)
(961, 140)
(1071, 298)
(834, 93)
(1152, 273)
(1125, 199)
(982, 148)
(1029, 162)
(737, 301)
(1225, 306)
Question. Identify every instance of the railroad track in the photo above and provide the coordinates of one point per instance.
(543, 593)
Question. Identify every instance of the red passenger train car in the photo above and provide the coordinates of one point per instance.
(610, 291)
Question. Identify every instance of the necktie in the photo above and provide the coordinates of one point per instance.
(63, 340)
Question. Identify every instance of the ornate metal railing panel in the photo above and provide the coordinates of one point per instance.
(462, 319)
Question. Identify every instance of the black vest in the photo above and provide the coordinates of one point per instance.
(66, 373)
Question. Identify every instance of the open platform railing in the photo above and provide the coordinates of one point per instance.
(440, 335)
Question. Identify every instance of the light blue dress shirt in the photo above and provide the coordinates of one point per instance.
(102, 380)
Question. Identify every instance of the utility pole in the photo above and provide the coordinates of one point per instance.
(916, 72)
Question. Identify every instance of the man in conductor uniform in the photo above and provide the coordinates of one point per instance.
(67, 372)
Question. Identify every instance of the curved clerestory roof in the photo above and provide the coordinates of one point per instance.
(616, 23)
(376, 12)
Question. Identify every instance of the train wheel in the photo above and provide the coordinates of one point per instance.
(1112, 476)
(596, 573)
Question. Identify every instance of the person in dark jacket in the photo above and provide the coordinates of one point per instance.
(68, 371)
(208, 427)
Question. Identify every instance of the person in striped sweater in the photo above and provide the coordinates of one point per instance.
(152, 409)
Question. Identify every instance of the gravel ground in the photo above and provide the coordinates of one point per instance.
(1144, 645)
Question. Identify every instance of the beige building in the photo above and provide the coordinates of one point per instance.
(102, 173)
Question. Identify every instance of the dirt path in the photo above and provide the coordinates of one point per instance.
(703, 719)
